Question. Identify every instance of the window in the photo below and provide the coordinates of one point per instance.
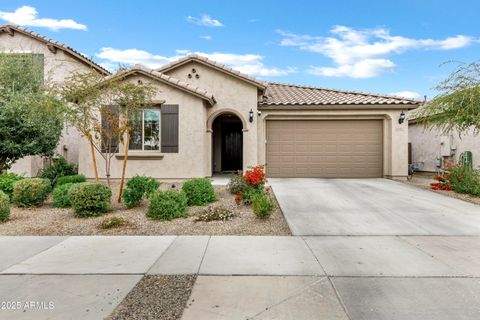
(145, 134)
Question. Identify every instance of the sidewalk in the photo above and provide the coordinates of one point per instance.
(258, 277)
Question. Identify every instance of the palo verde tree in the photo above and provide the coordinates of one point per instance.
(457, 106)
(31, 115)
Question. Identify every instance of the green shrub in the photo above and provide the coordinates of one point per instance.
(114, 222)
(250, 193)
(137, 188)
(167, 205)
(465, 180)
(4, 207)
(215, 213)
(262, 205)
(6, 182)
(199, 191)
(237, 185)
(60, 168)
(90, 198)
(30, 192)
(60, 197)
(77, 178)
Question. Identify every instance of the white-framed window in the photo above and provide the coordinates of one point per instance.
(145, 134)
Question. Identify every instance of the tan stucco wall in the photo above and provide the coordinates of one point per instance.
(230, 94)
(57, 67)
(187, 163)
(427, 146)
(395, 135)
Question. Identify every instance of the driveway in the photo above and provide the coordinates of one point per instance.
(371, 207)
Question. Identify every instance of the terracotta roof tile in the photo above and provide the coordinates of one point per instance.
(278, 94)
(9, 28)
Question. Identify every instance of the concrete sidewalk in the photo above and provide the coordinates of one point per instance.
(332, 277)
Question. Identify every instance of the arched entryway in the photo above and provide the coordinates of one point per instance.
(227, 143)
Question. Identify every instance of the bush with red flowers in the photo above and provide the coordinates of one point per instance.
(255, 177)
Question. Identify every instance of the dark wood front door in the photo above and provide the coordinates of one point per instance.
(232, 146)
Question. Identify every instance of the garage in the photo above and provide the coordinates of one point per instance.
(324, 148)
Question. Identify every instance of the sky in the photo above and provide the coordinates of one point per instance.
(387, 47)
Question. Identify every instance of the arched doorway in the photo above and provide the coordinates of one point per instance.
(227, 143)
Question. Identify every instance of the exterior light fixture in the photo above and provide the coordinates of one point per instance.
(250, 115)
(402, 118)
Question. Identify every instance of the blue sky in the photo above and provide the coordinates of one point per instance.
(374, 46)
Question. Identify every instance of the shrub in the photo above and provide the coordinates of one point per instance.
(167, 205)
(237, 184)
(60, 197)
(199, 191)
(90, 198)
(250, 193)
(262, 205)
(60, 168)
(137, 188)
(4, 207)
(465, 180)
(6, 182)
(30, 192)
(215, 213)
(113, 222)
(77, 178)
(255, 177)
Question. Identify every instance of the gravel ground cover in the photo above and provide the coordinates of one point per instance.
(423, 180)
(47, 220)
(156, 297)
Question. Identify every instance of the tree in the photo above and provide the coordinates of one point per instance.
(100, 108)
(457, 106)
(31, 115)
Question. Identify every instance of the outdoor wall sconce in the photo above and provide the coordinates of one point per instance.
(402, 118)
(250, 115)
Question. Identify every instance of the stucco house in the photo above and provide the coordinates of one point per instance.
(208, 118)
(58, 62)
(430, 147)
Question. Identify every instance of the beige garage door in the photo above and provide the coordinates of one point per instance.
(325, 148)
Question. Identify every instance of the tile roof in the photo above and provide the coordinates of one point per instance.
(278, 94)
(204, 94)
(11, 29)
(195, 57)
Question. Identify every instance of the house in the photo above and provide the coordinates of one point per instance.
(207, 118)
(430, 147)
(58, 62)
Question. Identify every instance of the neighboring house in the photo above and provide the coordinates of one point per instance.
(207, 118)
(430, 147)
(59, 61)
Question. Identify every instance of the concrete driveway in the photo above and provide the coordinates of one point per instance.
(371, 207)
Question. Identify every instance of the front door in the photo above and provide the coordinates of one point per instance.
(232, 146)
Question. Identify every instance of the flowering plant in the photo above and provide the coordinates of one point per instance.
(238, 199)
(255, 176)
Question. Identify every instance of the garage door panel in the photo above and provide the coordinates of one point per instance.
(322, 148)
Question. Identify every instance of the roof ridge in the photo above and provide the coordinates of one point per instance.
(195, 56)
(343, 91)
(187, 86)
(59, 44)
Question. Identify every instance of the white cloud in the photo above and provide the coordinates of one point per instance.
(205, 20)
(366, 68)
(251, 64)
(206, 37)
(27, 16)
(133, 56)
(364, 53)
(407, 94)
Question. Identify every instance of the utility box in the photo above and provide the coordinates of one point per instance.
(446, 146)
